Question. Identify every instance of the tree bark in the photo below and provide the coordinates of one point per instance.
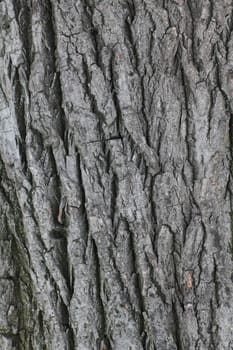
(116, 164)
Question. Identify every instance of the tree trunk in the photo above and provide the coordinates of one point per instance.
(115, 164)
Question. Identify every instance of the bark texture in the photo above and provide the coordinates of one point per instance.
(115, 174)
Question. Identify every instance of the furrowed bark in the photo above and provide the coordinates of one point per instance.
(116, 174)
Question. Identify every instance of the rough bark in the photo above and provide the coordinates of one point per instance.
(115, 164)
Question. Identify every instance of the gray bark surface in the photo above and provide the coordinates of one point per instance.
(115, 174)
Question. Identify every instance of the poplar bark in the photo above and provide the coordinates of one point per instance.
(116, 174)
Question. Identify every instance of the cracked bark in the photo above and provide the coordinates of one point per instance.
(116, 174)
